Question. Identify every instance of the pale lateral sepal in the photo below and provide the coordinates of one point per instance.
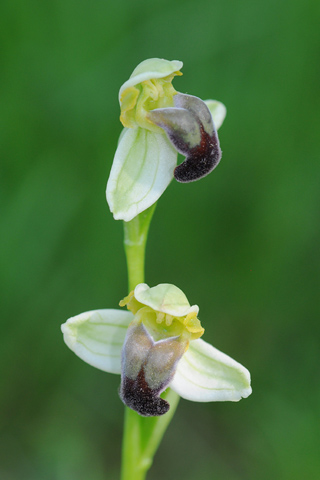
(97, 337)
(218, 112)
(142, 169)
(204, 374)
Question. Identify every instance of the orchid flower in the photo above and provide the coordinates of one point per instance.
(154, 345)
(160, 122)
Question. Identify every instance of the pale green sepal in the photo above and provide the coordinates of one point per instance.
(123, 131)
(218, 112)
(151, 68)
(142, 169)
(204, 374)
(165, 298)
(97, 337)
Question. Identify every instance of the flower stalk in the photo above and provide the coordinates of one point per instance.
(135, 239)
(142, 435)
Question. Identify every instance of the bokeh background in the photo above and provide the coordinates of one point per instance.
(243, 243)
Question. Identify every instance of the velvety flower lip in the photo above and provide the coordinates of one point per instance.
(148, 367)
(118, 341)
(190, 128)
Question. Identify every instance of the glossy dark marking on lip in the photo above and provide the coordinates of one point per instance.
(138, 396)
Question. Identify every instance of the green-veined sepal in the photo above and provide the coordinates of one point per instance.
(205, 374)
(142, 169)
(97, 337)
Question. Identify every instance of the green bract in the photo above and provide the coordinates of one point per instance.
(197, 371)
(145, 159)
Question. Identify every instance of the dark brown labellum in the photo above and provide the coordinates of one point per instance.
(201, 161)
(138, 396)
(147, 368)
(190, 129)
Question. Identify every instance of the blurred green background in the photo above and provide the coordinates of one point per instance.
(243, 243)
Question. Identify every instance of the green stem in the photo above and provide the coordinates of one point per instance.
(135, 239)
(142, 435)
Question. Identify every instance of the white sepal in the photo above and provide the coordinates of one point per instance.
(218, 112)
(205, 374)
(97, 337)
(142, 169)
